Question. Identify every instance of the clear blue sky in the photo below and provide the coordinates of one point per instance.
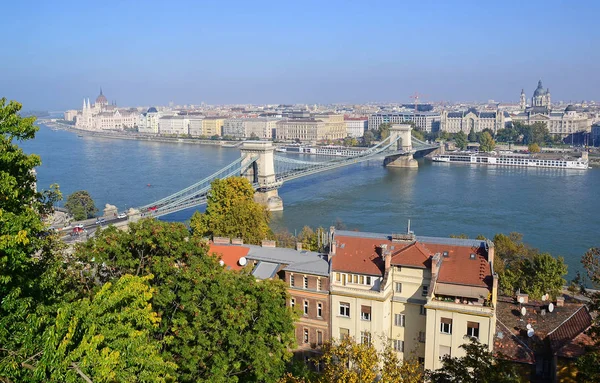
(54, 53)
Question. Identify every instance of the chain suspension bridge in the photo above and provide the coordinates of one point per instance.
(268, 171)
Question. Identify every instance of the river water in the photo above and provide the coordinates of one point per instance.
(557, 210)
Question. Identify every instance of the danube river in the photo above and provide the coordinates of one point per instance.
(557, 210)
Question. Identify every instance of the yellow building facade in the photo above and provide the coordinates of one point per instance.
(212, 126)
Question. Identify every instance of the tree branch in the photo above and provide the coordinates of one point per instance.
(78, 370)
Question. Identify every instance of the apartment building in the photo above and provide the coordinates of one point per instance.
(356, 126)
(472, 119)
(262, 128)
(335, 126)
(196, 126)
(234, 127)
(302, 129)
(173, 125)
(425, 121)
(423, 295)
(212, 126)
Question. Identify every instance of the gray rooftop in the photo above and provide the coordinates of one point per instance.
(420, 238)
(308, 262)
(265, 270)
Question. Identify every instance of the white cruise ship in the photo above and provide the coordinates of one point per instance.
(514, 159)
(329, 150)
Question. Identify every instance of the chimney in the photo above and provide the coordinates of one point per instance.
(384, 249)
(332, 245)
(237, 241)
(491, 251)
(388, 261)
(267, 243)
(435, 264)
(220, 241)
(299, 246)
(560, 301)
(495, 290)
(524, 296)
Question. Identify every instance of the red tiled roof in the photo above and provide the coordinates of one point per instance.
(576, 347)
(229, 254)
(415, 254)
(358, 255)
(570, 328)
(459, 268)
(509, 347)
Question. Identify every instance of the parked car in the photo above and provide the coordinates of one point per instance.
(122, 215)
(100, 221)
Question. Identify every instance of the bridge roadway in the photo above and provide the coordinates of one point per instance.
(285, 169)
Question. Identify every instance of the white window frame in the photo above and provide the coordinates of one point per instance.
(291, 280)
(305, 336)
(346, 310)
(305, 282)
(446, 328)
(472, 330)
(399, 320)
(320, 310)
(398, 345)
(398, 287)
(305, 305)
(293, 302)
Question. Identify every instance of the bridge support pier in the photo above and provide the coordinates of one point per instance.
(262, 172)
(402, 133)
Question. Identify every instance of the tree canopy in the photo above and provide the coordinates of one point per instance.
(232, 212)
(81, 205)
(487, 143)
(522, 267)
(477, 366)
(217, 325)
(460, 139)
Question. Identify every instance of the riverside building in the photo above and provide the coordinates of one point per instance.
(356, 126)
(465, 121)
(102, 116)
(425, 121)
(559, 122)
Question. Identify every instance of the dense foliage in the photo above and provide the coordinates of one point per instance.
(477, 366)
(486, 142)
(232, 212)
(217, 325)
(346, 361)
(81, 205)
(525, 268)
(589, 364)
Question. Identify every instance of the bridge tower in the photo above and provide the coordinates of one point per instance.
(262, 172)
(403, 131)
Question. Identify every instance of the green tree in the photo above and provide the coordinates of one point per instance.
(507, 135)
(543, 274)
(537, 133)
(81, 205)
(33, 280)
(460, 140)
(231, 212)
(368, 137)
(217, 325)
(346, 361)
(588, 365)
(106, 338)
(486, 142)
(417, 134)
(477, 366)
(383, 131)
(534, 148)
(472, 135)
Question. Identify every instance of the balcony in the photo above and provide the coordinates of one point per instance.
(456, 304)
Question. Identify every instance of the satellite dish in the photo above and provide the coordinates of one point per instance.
(530, 332)
(551, 307)
(523, 311)
(221, 262)
(528, 326)
(544, 297)
(243, 261)
(521, 299)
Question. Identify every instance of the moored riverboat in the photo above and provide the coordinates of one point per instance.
(514, 159)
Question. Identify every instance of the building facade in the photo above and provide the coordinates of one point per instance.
(423, 295)
(425, 121)
(212, 126)
(305, 130)
(465, 121)
(356, 126)
(335, 127)
(174, 126)
(234, 127)
(196, 123)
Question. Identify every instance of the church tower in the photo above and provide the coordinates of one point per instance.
(523, 100)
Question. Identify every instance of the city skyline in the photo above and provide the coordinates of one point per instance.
(339, 52)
